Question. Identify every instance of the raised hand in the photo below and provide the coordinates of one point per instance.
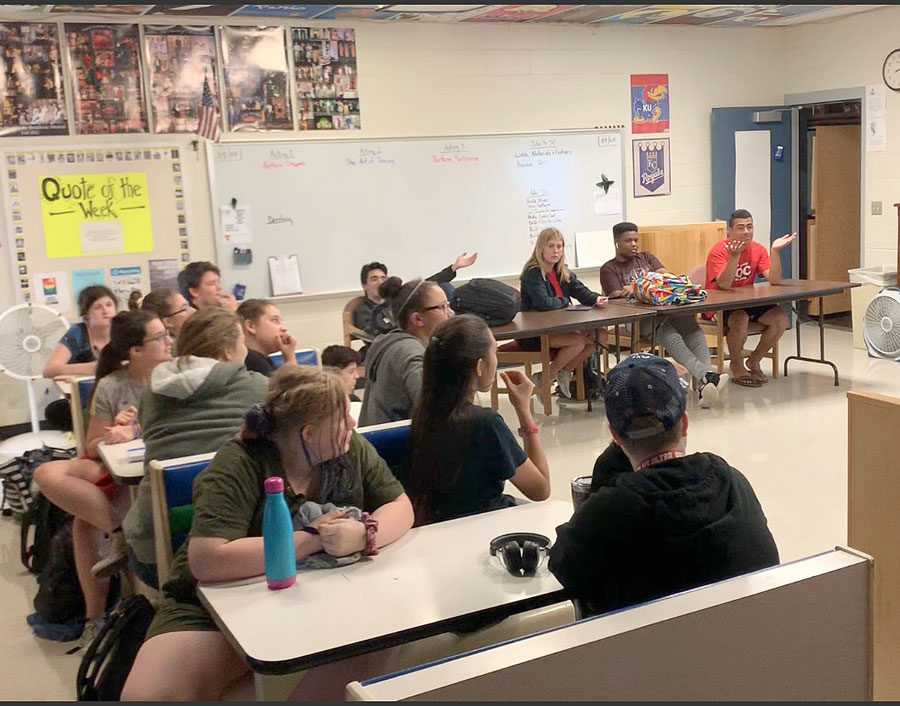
(735, 247)
(519, 386)
(783, 241)
(463, 260)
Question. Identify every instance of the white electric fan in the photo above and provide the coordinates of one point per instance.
(881, 324)
(28, 335)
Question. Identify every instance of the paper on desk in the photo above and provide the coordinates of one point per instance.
(285, 273)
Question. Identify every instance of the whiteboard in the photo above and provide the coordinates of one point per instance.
(415, 203)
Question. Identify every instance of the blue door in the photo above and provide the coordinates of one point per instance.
(751, 168)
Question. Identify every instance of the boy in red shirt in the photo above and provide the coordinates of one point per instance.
(736, 262)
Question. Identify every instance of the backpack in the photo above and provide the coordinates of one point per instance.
(16, 476)
(658, 288)
(59, 598)
(45, 519)
(495, 302)
(108, 660)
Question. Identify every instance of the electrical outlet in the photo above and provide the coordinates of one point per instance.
(876, 208)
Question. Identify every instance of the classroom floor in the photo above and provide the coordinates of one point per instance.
(788, 437)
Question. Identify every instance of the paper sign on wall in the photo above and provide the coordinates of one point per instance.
(95, 214)
(51, 289)
(86, 278)
(163, 274)
(236, 225)
(124, 280)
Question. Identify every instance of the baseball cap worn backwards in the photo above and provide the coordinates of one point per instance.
(643, 396)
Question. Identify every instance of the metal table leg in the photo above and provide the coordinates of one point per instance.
(821, 359)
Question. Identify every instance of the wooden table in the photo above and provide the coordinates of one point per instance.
(424, 584)
(760, 294)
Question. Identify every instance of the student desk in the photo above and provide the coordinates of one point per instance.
(123, 469)
(789, 290)
(421, 585)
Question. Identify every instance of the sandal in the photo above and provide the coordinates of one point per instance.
(746, 381)
(759, 376)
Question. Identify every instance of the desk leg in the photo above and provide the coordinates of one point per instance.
(619, 343)
(821, 359)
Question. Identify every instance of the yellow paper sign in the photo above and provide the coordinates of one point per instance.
(95, 214)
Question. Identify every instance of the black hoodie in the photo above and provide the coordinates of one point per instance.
(672, 526)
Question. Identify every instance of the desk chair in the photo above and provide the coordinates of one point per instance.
(715, 332)
(304, 356)
(171, 485)
(351, 333)
(391, 441)
(81, 388)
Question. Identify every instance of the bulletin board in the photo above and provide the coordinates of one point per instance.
(92, 215)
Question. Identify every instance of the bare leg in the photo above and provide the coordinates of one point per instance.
(570, 346)
(737, 337)
(775, 322)
(193, 665)
(70, 485)
(85, 540)
(329, 682)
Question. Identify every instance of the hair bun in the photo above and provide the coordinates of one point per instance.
(258, 420)
(390, 288)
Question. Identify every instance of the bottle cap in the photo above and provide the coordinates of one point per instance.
(274, 484)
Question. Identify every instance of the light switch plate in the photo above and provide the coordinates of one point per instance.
(876, 208)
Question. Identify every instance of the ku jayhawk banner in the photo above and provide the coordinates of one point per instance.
(649, 103)
(652, 167)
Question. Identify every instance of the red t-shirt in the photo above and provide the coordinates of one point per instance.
(554, 282)
(752, 262)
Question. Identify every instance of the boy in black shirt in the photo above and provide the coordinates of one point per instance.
(672, 523)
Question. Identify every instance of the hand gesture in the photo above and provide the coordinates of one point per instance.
(519, 386)
(118, 434)
(228, 302)
(735, 247)
(343, 537)
(126, 416)
(783, 241)
(601, 302)
(288, 345)
(464, 260)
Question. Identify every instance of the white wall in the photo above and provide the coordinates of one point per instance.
(427, 79)
(845, 54)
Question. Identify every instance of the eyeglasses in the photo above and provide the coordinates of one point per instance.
(159, 338)
(184, 307)
(445, 307)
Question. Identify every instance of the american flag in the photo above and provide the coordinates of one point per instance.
(208, 126)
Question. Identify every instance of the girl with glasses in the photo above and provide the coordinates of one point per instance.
(171, 308)
(84, 487)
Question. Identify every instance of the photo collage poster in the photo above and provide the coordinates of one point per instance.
(178, 58)
(256, 79)
(32, 100)
(326, 76)
(106, 69)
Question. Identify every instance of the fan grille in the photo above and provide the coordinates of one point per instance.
(881, 324)
(28, 335)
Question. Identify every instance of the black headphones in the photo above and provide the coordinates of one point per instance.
(520, 553)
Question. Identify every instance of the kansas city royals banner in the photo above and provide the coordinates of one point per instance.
(652, 167)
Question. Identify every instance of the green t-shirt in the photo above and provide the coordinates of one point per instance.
(229, 497)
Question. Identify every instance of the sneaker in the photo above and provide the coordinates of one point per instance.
(564, 381)
(113, 556)
(88, 635)
(712, 388)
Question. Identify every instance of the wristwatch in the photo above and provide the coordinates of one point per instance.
(371, 524)
(525, 431)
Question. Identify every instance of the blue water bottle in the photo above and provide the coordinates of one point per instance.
(278, 537)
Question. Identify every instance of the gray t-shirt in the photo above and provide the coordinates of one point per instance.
(114, 393)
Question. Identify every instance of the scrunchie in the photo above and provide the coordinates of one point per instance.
(259, 420)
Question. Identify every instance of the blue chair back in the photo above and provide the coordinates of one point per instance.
(304, 356)
(391, 441)
(85, 387)
(178, 480)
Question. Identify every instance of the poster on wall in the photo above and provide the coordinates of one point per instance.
(124, 280)
(649, 103)
(256, 79)
(95, 214)
(52, 289)
(178, 58)
(652, 167)
(32, 100)
(326, 77)
(105, 65)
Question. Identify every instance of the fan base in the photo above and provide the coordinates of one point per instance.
(18, 445)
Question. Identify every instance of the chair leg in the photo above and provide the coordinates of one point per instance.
(774, 356)
(579, 384)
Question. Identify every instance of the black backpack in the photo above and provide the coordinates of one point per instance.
(16, 476)
(495, 302)
(59, 598)
(39, 525)
(107, 663)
